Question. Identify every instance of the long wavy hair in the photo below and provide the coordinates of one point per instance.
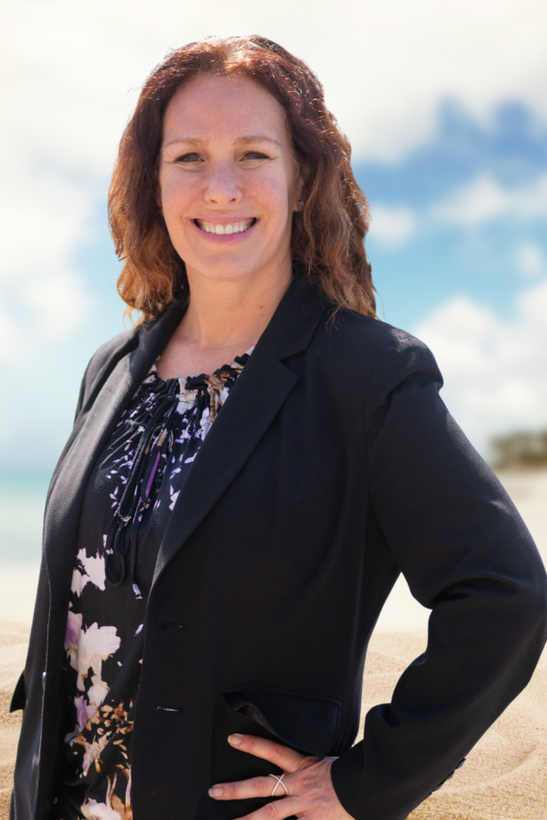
(327, 233)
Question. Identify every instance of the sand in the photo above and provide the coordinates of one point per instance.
(13, 651)
(505, 775)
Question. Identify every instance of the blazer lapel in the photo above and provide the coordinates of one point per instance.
(254, 401)
(89, 437)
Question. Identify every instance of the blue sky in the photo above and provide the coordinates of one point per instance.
(445, 106)
(439, 260)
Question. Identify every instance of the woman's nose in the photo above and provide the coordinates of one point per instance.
(223, 186)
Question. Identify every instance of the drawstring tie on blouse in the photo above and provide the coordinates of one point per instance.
(155, 445)
(152, 455)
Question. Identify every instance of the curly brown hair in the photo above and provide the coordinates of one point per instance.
(327, 233)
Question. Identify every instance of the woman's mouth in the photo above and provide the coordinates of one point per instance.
(224, 229)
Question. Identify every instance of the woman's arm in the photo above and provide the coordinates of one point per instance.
(467, 556)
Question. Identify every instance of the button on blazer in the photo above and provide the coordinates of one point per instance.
(333, 466)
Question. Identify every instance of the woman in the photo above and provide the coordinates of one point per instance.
(225, 557)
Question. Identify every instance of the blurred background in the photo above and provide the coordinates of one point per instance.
(445, 104)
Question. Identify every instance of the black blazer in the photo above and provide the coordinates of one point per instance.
(333, 467)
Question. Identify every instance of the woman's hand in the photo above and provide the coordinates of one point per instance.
(309, 791)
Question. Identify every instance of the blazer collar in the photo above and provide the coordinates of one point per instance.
(293, 324)
(112, 389)
(254, 401)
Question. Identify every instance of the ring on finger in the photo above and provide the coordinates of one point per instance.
(279, 782)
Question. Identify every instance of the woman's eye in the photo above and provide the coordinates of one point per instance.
(188, 158)
(255, 155)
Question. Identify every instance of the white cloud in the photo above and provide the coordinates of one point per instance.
(73, 71)
(484, 199)
(44, 218)
(71, 74)
(392, 226)
(471, 205)
(75, 68)
(12, 338)
(43, 215)
(495, 369)
(529, 259)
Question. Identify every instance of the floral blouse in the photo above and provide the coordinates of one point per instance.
(130, 494)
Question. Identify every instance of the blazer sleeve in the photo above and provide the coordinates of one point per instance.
(101, 364)
(82, 393)
(467, 555)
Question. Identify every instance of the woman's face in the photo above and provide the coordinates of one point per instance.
(229, 182)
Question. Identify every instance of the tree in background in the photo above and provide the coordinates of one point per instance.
(520, 449)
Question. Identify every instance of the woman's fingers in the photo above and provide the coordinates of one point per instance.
(281, 756)
(277, 810)
(244, 789)
(259, 787)
(305, 785)
(267, 786)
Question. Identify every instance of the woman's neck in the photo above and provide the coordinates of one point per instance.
(223, 320)
(221, 312)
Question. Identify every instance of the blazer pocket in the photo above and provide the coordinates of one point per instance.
(19, 698)
(308, 723)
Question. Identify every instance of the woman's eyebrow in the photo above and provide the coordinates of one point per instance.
(256, 138)
(198, 141)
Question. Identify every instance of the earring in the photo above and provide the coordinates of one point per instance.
(299, 205)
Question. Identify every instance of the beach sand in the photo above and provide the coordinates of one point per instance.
(13, 651)
(505, 775)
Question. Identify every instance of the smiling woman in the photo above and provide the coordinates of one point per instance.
(332, 218)
(218, 178)
(228, 199)
(251, 467)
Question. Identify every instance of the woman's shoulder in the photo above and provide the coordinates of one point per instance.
(104, 360)
(365, 361)
(364, 343)
(110, 350)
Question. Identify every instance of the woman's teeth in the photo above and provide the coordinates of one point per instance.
(234, 227)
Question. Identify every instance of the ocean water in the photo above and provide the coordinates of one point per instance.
(22, 499)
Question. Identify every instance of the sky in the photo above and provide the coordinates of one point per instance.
(445, 106)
